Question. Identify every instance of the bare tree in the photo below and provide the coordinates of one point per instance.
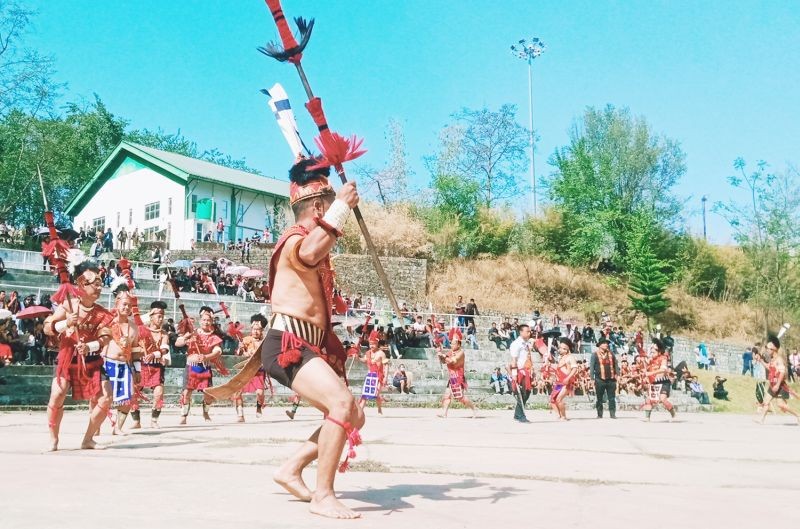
(389, 184)
(25, 75)
(486, 147)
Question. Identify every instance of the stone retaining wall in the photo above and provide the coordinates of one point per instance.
(354, 273)
(728, 356)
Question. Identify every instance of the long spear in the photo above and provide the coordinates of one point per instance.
(335, 149)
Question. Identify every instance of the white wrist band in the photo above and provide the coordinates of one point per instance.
(337, 214)
(137, 366)
(60, 326)
(93, 346)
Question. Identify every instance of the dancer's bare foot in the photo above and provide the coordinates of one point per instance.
(207, 417)
(441, 416)
(154, 425)
(239, 419)
(136, 425)
(293, 483)
(119, 432)
(53, 445)
(183, 420)
(330, 507)
(91, 445)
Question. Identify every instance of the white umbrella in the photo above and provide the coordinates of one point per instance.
(236, 270)
(252, 274)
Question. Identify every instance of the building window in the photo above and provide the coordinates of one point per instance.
(99, 224)
(198, 233)
(152, 211)
(150, 233)
(130, 216)
(224, 209)
(169, 206)
(194, 203)
(118, 216)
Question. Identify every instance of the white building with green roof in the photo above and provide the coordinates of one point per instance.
(171, 197)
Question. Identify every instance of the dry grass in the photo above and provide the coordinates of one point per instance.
(516, 285)
(394, 231)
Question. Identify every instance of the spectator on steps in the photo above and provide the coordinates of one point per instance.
(588, 334)
(460, 310)
(403, 380)
(500, 382)
(470, 311)
(108, 241)
(719, 388)
(698, 392)
(472, 335)
(494, 336)
(747, 361)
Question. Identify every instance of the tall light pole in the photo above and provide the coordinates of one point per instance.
(528, 51)
(703, 200)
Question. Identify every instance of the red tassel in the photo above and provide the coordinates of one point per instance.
(337, 149)
(289, 357)
(344, 466)
(220, 365)
(67, 289)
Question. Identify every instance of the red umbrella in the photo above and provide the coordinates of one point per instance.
(33, 312)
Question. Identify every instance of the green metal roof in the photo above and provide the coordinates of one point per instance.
(178, 168)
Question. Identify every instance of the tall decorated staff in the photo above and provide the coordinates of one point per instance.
(335, 149)
(56, 250)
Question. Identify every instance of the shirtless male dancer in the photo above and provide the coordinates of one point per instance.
(300, 350)
(456, 388)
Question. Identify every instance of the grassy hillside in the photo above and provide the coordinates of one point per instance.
(741, 393)
(512, 284)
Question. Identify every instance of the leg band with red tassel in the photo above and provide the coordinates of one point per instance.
(353, 440)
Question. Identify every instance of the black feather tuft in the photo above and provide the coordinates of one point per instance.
(300, 175)
(276, 51)
(80, 268)
(265, 92)
(158, 305)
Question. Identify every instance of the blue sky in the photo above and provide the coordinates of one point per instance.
(720, 77)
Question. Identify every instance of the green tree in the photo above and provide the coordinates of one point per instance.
(647, 278)
(614, 170)
(68, 150)
(180, 144)
(767, 228)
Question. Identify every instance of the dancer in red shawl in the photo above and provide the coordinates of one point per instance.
(204, 347)
(566, 370)
(456, 384)
(251, 345)
(777, 390)
(82, 329)
(377, 363)
(660, 385)
(155, 343)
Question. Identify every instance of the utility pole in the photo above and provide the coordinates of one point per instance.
(529, 51)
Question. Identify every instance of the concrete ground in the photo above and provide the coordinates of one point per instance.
(414, 471)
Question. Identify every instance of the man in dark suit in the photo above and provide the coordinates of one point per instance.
(605, 370)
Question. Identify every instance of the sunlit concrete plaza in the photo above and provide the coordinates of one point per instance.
(414, 471)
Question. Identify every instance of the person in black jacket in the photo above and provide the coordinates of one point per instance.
(605, 370)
